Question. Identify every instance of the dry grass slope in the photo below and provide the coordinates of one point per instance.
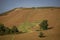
(19, 16)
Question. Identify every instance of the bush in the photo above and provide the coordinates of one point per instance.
(41, 35)
(14, 29)
(2, 28)
(5, 30)
(44, 25)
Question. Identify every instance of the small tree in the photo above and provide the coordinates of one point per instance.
(44, 25)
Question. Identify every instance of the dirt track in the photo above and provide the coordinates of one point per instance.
(19, 16)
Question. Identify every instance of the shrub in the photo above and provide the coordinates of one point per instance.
(7, 30)
(44, 25)
(4, 29)
(41, 35)
(14, 29)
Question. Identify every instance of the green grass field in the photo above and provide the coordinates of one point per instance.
(25, 27)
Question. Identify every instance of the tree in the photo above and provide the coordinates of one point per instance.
(44, 25)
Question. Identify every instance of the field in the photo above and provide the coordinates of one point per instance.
(29, 19)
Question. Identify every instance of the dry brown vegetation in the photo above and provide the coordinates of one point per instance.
(18, 16)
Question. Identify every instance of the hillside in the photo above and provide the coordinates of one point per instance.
(19, 16)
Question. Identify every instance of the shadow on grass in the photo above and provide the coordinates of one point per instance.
(50, 28)
(12, 33)
(42, 36)
(37, 30)
(46, 29)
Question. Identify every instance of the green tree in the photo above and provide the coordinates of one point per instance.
(44, 25)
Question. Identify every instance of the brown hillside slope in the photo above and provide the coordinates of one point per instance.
(15, 17)
(19, 16)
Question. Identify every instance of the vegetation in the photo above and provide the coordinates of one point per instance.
(41, 34)
(2, 29)
(44, 25)
(33, 7)
(14, 29)
(5, 30)
(25, 27)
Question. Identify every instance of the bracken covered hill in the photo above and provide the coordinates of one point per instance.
(20, 15)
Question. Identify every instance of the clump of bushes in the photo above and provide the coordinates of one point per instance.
(5, 30)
